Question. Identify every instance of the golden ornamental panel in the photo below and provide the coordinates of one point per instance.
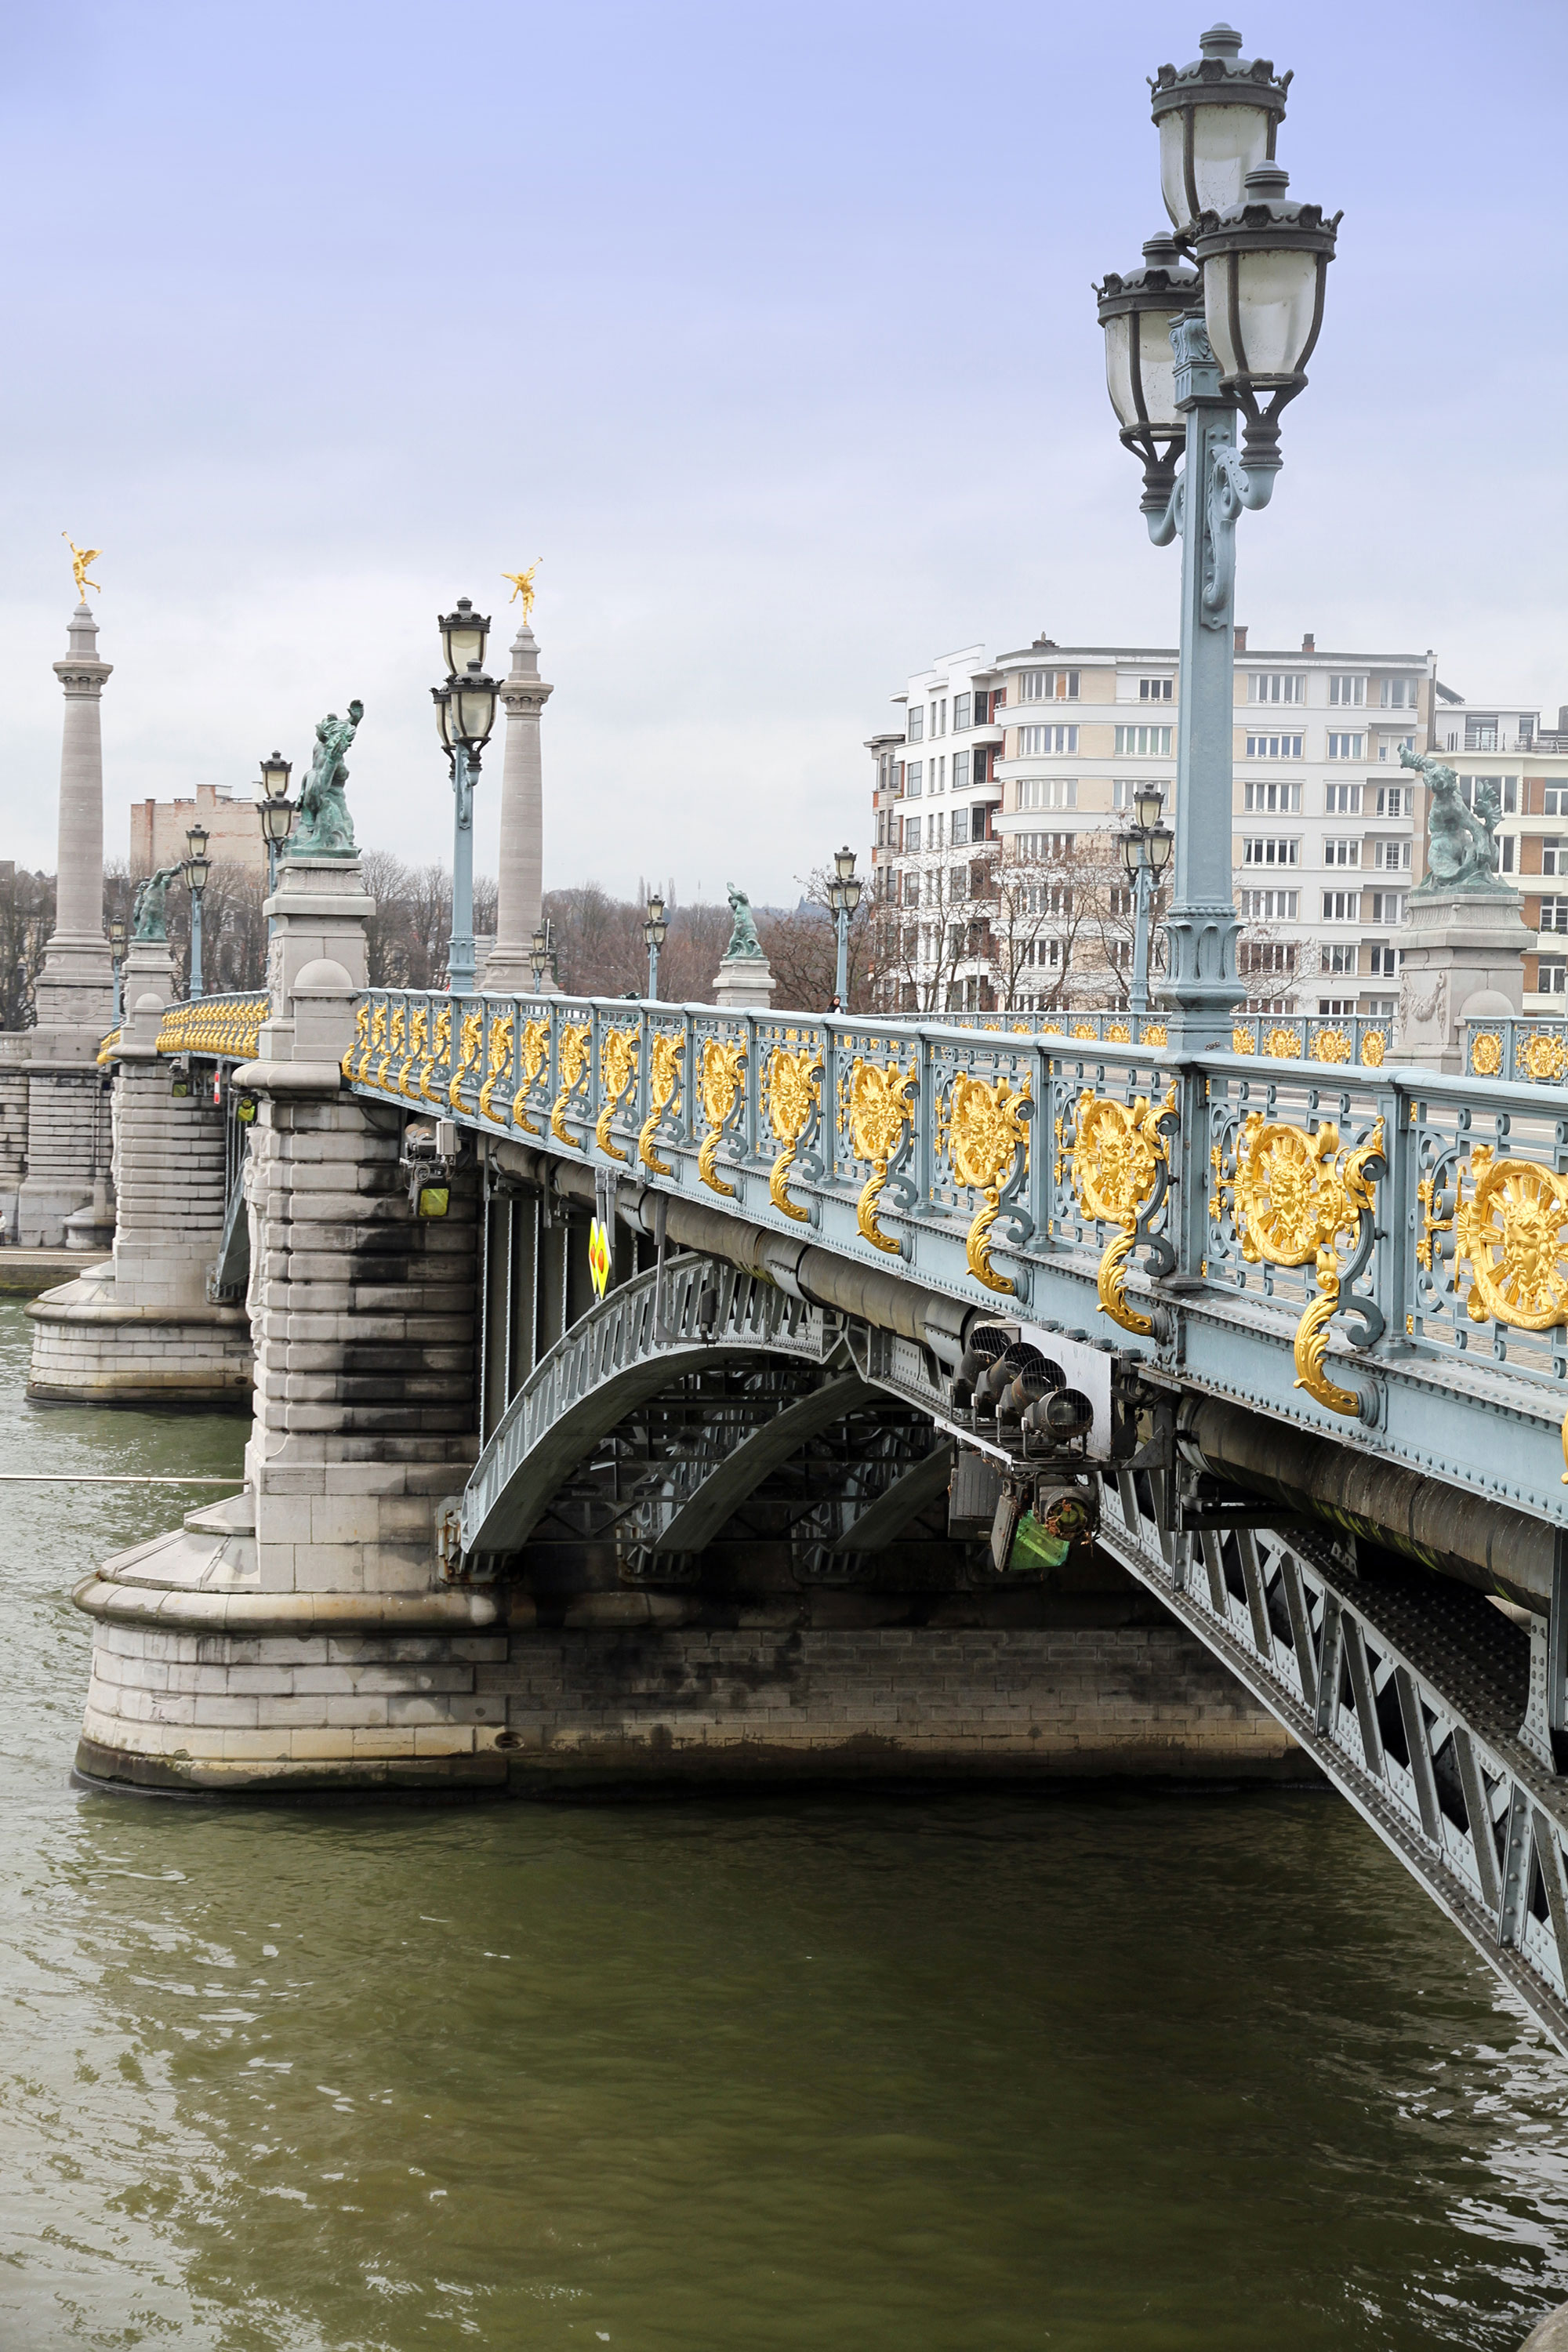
(571, 1068)
(1242, 1040)
(393, 1049)
(1282, 1044)
(663, 1086)
(1118, 1033)
(985, 1129)
(360, 1043)
(498, 1062)
(1120, 1161)
(1330, 1045)
(1154, 1033)
(617, 1068)
(1486, 1054)
(533, 1051)
(1374, 1047)
(470, 1045)
(793, 1094)
(723, 1073)
(1543, 1056)
(876, 1107)
(440, 1053)
(419, 1037)
(1514, 1232)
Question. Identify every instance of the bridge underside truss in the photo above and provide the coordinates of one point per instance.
(1421, 1701)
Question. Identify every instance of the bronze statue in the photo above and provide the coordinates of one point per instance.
(743, 939)
(147, 916)
(522, 585)
(1461, 852)
(325, 828)
(80, 558)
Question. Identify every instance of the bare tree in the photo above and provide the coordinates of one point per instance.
(26, 920)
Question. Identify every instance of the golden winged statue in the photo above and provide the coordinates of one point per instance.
(522, 585)
(80, 558)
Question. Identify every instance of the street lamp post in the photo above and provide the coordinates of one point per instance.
(275, 811)
(1187, 354)
(654, 931)
(541, 954)
(843, 897)
(117, 963)
(1145, 851)
(197, 867)
(465, 715)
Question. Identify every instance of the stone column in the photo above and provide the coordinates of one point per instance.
(13, 1127)
(1462, 959)
(508, 972)
(75, 987)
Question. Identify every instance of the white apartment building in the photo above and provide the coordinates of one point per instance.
(1329, 830)
(1504, 745)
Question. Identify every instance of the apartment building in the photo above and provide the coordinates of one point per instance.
(1040, 750)
(158, 830)
(1505, 746)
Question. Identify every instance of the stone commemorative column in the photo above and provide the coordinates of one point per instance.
(508, 972)
(67, 1127)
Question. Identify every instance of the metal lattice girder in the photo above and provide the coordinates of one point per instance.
(1410, 1694)
(890, 1513)
(696, 1518)
(634, 1343)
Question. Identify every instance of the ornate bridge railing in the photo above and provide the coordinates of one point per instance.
(1532, 1051)
(221, 1028)
(1378, 1253)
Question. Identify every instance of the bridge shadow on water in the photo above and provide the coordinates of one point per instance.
(1133, 2068)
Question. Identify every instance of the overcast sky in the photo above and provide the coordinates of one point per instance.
(769, 328)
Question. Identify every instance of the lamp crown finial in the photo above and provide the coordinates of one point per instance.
(1221, 40)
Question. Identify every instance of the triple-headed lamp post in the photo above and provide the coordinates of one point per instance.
(1145, 853)
(843, 897)
(465, 716)
(117, 962)
(196, 869)
(654, 931)
(275, 809)
(542, 955)
(1188, 351)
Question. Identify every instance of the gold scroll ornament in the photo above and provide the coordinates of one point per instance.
(1330, 1045)
(1373, 1049)
(617, 1068)
(793, 1092)
(376, 1040)
(418, 1029)
(471, 1043)
(1118, 1155)
(1514, 1231)
(1295, 1193)
(361, 1040)
(722, 1073)
(879, 1110)
(985, 1128)
(498, 1062)
(532, 1054)
(394, 1053)
(572, 1066)
(440, 1051)
(663, 1080)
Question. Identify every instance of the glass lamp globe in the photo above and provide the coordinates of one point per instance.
(1265, 262)
(1217, 120)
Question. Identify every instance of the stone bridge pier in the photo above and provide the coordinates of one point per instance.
(731, 1555)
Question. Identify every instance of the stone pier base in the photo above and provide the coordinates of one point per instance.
(202, 1682)
(91, 1348)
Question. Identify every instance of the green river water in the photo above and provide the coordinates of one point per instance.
(978, 2073)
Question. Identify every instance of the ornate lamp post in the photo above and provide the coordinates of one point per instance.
(654, 931)
(465, 715)
(843, 896)
(1240, 332)
(275, 809)
(196, 869)
(542, 955)
(1145, 851)
(117, 960)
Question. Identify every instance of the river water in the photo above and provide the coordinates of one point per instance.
(980, 2074)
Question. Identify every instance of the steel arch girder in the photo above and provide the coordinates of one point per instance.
(699, 1515)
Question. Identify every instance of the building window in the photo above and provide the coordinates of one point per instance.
(917, 725)
(1033, 741)
(961, 706)
(1048, 792)
(1393, 800)
(1388, 908)
(939, 774)
(1383, 962)
(1554, 800)
(960, 827)
(1272, 799)
(1157, 689)
(1253, 957)
(1554, 856)
(1505, 851)
(1270, 747)
(1342, 852)
(1390, 745)
(1342, 800)
(1270, 849)
(1273, 685)
(1041, 846)
(914, 771)
(1347, 746)
(1341, 906)
(1144, 742)
(1553, 915)
(1390, 857)
(980, 821)
(911, 890)
(1269, 906)
(982, 704)
(1346, 693)
(1340, 958)
(961, 772)
(933, 833)
(911, 832)
(1480, 734)
(1399, 693)
(1552, 977)
(1337, 1008)
(1048, 686)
